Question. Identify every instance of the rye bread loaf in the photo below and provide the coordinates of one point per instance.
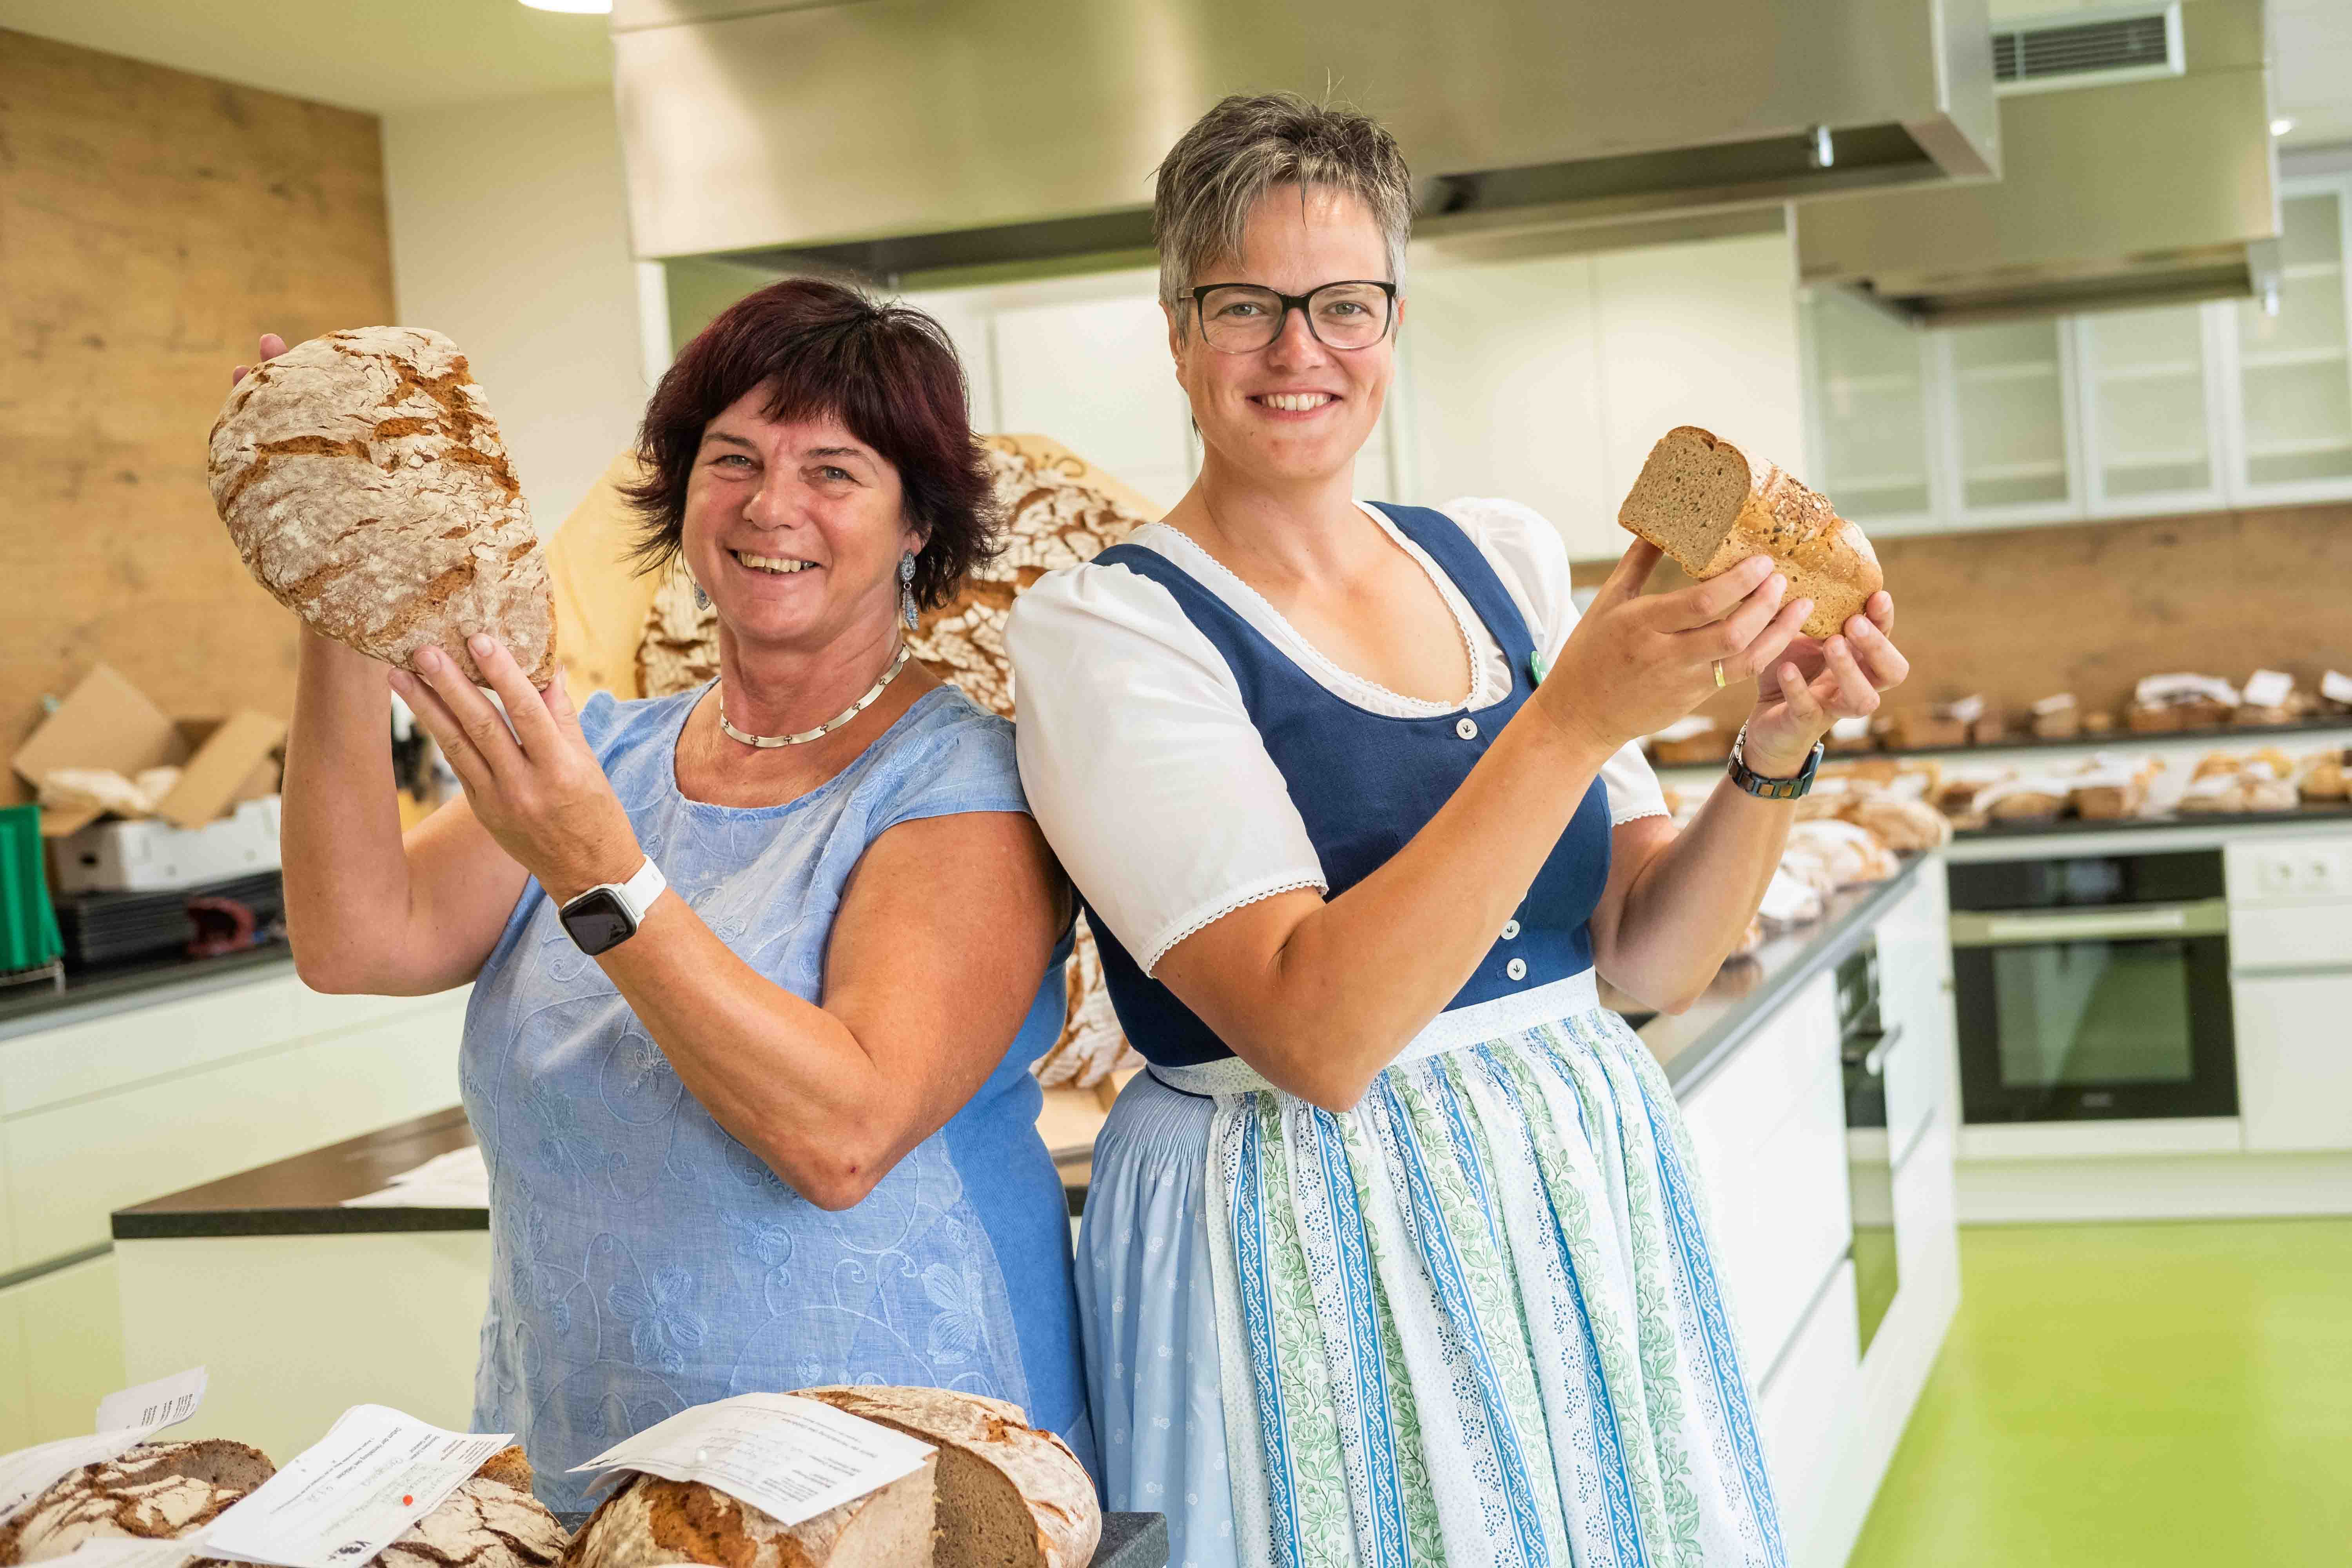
(652, 1521)
(156, 1491)
(364, 483)
(1711, 506)
(492, 1520)
(1009, 1495)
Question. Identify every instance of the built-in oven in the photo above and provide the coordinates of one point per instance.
(2093, 987)
(1864, 1046)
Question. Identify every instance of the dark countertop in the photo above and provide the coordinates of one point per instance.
(303, 1194)
(1692, 1045)
(1133, 1541)
(2041, 827)
(24, 1007)
(2111, 740)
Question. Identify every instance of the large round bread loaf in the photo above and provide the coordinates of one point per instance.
(492, 1520)
(1010, 1496)
(653, 1521)
(364, 483)
(156, 1491)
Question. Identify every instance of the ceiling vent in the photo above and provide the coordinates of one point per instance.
(2067, 50)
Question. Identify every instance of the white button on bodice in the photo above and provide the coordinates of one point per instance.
(1516, 969)
(1510, 929)
(1467, 728)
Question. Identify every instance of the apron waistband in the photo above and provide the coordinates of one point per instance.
(1450, 1031)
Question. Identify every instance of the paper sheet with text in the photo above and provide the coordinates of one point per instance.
(788, 1456)
(353, 1493)
(125, 1419)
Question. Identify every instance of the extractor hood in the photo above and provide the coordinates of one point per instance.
(2153, 189)
(892, 136)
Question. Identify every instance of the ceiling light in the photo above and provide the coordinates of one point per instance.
(2279, 127)
(578, 8)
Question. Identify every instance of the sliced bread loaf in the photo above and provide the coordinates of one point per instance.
(156, 1491)
(1711, 506)
(652, 1521)
(365, 485)
(1009, 1495)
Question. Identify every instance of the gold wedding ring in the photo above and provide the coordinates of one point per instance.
(1718, 672)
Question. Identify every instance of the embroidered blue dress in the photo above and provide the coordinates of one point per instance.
(1475, 1318)
(643, 1260)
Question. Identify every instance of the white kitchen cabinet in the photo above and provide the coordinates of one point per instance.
(2011, 452)
(2294, 1060)
(1803, 1416)
(1871, 413)
(2150, 385)
(72, 1325)
(2292, 403)
(15, 1377)
(1096, 375)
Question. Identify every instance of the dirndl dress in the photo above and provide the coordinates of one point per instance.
(1475, 1320)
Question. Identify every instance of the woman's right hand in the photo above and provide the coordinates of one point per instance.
(272, 345)
(1636, 663)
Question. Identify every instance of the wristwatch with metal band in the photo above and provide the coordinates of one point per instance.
(609, 913)
(1757, 785)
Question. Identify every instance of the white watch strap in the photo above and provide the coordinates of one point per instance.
(641, 889)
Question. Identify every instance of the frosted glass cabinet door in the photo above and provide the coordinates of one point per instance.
(1094, 376)
(2294, 383)
(2010, 436)
(1866, 385)
(2147, 412)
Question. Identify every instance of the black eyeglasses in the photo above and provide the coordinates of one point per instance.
(1243, 318)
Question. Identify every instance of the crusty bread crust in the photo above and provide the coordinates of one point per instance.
(1824, 556)
(156, 1491)
(653, 1519)
(365, 485)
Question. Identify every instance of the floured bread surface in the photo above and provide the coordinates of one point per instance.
(156, 1491)
(653, 1521)
(1010, 1496)
(1710, 506)
(365, 485)
(492, 1520)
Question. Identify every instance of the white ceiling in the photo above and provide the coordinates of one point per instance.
(382, 55)
(387, 55)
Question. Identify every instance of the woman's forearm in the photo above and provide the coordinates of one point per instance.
(347, 892)
(1354, 978)
(1691, 902)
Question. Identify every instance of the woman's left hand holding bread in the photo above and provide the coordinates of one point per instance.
(1819, 681)
(535, 786)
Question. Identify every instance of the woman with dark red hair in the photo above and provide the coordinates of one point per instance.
(758, 968)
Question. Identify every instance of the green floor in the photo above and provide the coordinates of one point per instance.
(2140, 1394)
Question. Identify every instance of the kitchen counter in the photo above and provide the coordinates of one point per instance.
(2334, 812)
(137, 983)
(1693, 1045)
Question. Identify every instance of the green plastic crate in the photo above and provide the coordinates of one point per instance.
(28, 926)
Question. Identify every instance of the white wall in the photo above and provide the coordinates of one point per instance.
(509, 233)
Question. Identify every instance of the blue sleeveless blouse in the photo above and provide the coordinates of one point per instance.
(643, 1260)
(1365, 783)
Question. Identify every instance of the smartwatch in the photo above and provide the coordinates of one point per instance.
(1757, 785)
(609, 913)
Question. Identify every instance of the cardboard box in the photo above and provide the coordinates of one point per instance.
(106, 722)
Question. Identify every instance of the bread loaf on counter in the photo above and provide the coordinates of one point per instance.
(652, 1521)
(1710, 506)
(492, 1520)
(1009, 1495)
(156, 1491)
(365, 485)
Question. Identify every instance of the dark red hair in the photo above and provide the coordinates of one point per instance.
(886, 372)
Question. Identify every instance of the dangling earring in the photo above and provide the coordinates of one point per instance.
(701, 599)
(906, 587)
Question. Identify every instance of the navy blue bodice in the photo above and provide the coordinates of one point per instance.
(1365, 783)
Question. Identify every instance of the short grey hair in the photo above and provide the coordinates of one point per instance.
(1204, 190)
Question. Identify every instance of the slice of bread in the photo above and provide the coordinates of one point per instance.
(1010, 1496)
(1711, 506)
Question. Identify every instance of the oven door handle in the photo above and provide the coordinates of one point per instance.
(2207, 917)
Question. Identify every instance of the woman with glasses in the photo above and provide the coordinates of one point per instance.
(1395, 1254)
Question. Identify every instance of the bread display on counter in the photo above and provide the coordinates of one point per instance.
(1710, 506)
(492, 1520)
(1698, 738)
(2056, 716)
(366, 486)
(2162, 703)
(1902, 825)
(2328, 776)
(156, 1491)
(653, 1519)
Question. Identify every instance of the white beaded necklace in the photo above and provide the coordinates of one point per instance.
(766, 743)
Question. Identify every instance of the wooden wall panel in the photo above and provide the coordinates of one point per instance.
(152, 225)
(2090, 609)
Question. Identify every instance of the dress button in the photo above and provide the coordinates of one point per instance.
(1510, 929)
(1468, 729)
(1516, 969)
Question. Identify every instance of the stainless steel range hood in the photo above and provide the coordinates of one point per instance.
(899, 135)
(2139, 192)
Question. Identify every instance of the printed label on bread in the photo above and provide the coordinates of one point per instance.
(1710, 506)
(365, 485)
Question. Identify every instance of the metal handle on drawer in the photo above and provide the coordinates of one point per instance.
(2209, 917)
(1874, 1060)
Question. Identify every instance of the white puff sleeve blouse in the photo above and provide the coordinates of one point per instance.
(1137, 753)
